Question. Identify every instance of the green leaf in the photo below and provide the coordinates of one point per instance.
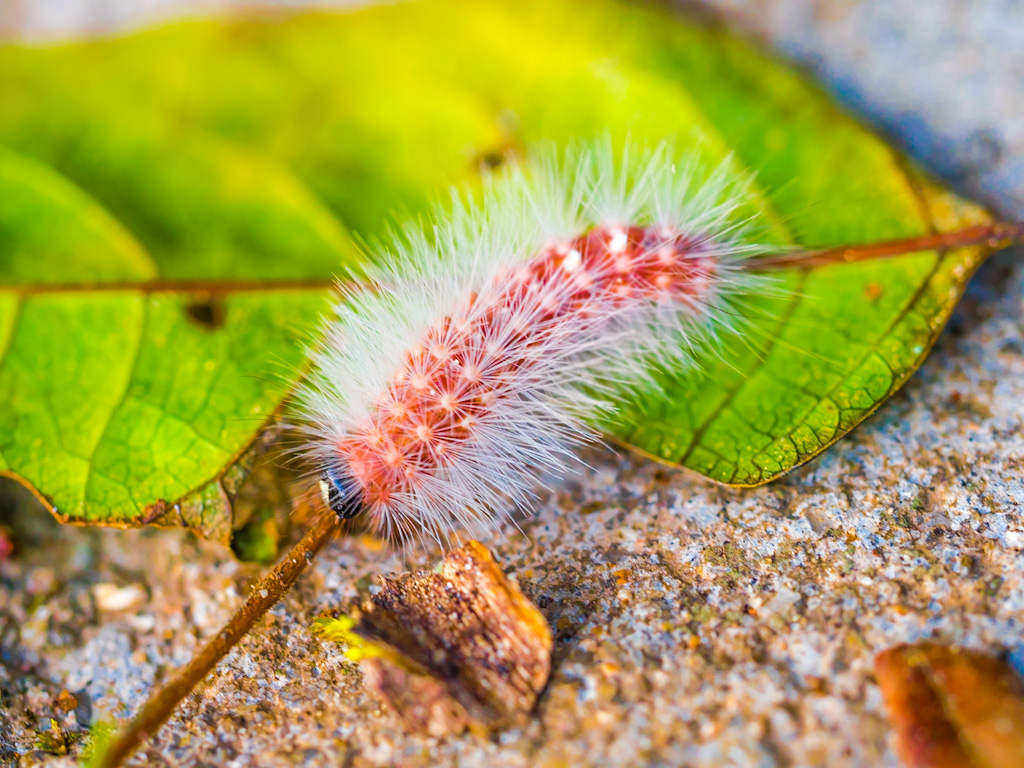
(172, 201)
(132, 401)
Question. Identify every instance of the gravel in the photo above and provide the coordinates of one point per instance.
(695, 625)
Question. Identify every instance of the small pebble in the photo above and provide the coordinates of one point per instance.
(111, 598)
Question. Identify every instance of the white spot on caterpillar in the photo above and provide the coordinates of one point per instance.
(572, 260)
(618, 242)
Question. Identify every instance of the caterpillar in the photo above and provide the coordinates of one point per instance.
(493, 340)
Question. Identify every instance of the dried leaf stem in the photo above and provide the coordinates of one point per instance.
(996, 235)
(265, 593)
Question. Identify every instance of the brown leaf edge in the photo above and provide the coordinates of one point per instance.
(207, 509)
(952, 707)
(456, 648)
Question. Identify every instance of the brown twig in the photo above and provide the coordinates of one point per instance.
(265, 593)
(993, 235)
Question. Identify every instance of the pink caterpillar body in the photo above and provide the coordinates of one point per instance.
(493, 342)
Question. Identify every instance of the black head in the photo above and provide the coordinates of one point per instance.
(341, 493)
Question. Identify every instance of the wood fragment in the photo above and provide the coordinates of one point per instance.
(455, 648)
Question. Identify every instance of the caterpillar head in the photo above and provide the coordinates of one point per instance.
(341, 493)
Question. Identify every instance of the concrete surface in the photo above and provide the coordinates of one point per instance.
(695, 625)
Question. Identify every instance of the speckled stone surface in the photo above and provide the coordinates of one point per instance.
(695, 625)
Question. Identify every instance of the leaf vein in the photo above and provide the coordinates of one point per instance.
(121, 399)
(698, 433)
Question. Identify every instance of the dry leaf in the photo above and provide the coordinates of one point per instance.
(952, 707)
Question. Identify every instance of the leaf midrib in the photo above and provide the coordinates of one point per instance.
(218, 287)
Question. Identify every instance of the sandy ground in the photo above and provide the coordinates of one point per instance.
(695, 625)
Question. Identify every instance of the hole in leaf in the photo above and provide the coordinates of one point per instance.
(207, 312)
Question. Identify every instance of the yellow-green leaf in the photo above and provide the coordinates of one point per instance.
(166, 196)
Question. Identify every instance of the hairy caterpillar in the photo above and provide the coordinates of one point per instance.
(495, 338)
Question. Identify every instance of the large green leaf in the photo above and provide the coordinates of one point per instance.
(131, 401)
(164, 198)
